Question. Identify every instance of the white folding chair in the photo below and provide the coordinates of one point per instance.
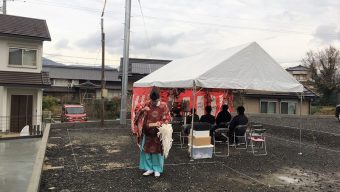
(257, 140)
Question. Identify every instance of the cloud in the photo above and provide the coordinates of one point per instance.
(154, 40)
(113, 40)
(62, 44)
(327, 33)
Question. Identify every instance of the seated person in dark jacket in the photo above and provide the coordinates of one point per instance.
(189, 117)
(239, 119)
(208, 117)
(222, 120)
(223, 116)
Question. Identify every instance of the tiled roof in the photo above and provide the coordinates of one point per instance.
(297, 68)
(143, 66)
(24, 27)
(24, 78)
(80, 72)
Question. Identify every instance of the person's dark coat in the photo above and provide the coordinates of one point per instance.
(189, 118)
(208, 118)
(223, 117)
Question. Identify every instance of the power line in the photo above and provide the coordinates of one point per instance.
(233, 26)
(91, 10)
(69, 6)
(80, 63)
(146, 33)
(89, 58)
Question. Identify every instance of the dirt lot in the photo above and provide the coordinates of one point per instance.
(106, 159)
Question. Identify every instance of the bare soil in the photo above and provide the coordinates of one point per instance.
(106, 159)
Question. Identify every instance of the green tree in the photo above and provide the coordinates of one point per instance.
(324, 66)
(52, 104)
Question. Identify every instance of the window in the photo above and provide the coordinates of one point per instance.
(288, 107)
(268, 106)
(22, 57)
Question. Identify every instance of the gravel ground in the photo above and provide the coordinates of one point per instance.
(106, 159)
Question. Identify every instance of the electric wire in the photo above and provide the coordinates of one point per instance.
(146, 33)
(87, 9)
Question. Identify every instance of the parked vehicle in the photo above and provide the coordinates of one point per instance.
(337, 112)
(73, 113)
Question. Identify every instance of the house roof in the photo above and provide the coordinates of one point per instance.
(24, 79)
(306, 93)
(74, 72)
(298, 68)
(87, 84)
(143, 66)
(24, 27)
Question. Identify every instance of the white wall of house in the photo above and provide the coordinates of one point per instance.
(37, 104)
(61, 82)
(7, 43)
(3, 108)
(253, 105)
(113, 93)
(110, 94)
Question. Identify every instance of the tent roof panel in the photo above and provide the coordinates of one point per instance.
(243, 67)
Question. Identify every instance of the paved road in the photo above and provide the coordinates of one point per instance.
(16, 163)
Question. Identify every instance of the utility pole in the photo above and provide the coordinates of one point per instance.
(4, 6)
(103, 68)
(123, 105)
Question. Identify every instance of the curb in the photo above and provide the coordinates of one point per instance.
(20, 137)
(34, 183)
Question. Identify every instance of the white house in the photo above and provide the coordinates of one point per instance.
(21, 77)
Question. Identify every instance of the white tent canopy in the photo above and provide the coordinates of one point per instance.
(245, 67)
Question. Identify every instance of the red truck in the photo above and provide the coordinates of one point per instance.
(73, 113)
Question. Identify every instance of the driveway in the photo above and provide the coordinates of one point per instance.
(16, 163)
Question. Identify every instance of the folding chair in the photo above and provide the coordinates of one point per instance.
(177, 124)
(184, 134)
(256, 136)
(223, 132)
(240, 132)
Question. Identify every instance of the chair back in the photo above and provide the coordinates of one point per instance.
(202, 126)
(240, 130)
(177, 120)
(177, 123)
(223, 125)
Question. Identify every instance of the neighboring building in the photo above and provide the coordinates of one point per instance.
(21, 76)
(278, 103)
(72, 83)
(301, 73)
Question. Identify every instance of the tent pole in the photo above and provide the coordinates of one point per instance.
(300, 152)
(192, 119)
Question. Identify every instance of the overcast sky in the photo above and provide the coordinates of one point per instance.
(172, 29)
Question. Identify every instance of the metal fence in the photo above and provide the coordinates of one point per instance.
(15, 124)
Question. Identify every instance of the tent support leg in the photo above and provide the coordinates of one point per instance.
(300, 152)
(192, 120)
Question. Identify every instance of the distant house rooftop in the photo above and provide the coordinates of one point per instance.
(14, 26)
(139, 68)
(78, 72)
(298, 68)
